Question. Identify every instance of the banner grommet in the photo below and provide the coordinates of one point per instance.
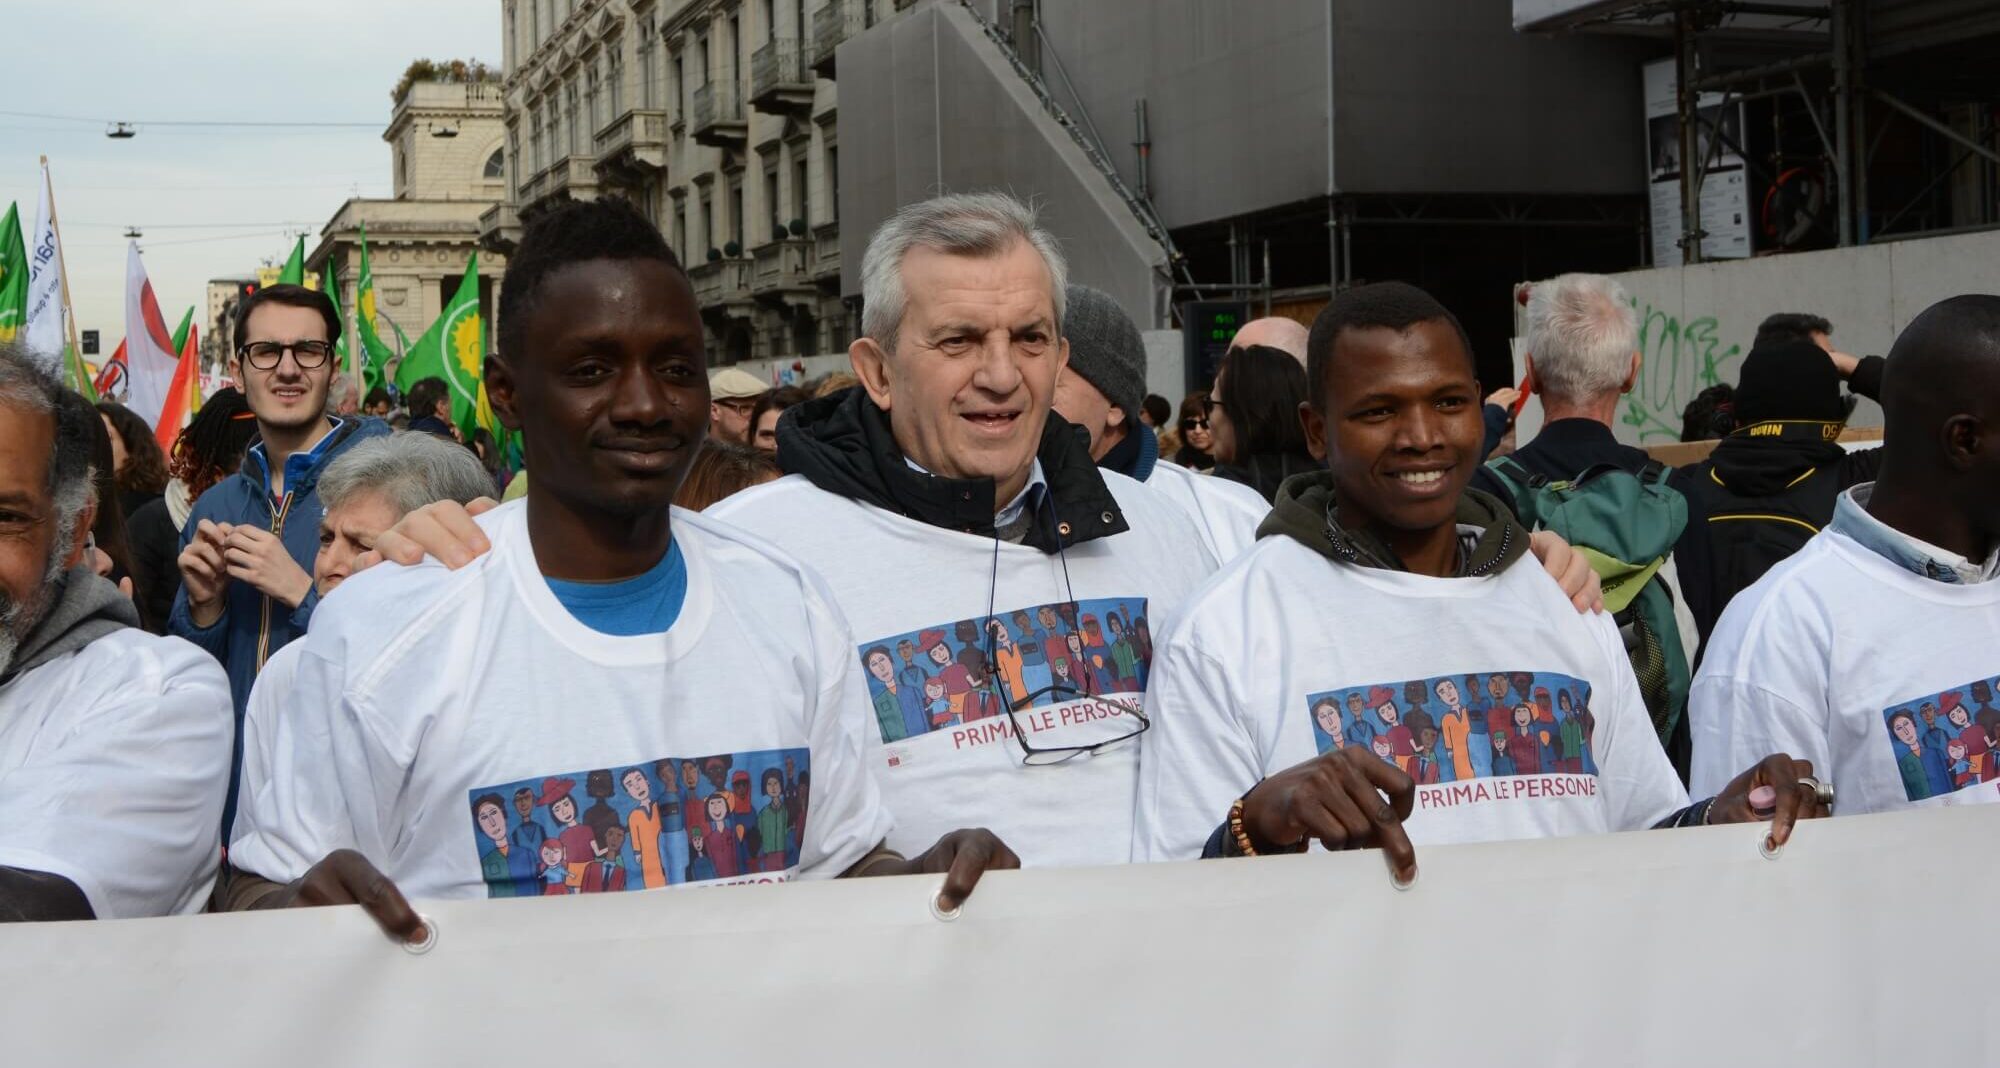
(430, 939)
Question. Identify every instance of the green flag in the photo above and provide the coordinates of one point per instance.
(294, 273)
(342, 358)
(374, 370)
(454, 349)
(181, 331)
(78, 374)
(13, 274)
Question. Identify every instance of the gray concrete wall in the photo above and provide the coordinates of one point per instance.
(1235, 94)
(928, 105)
(1442, 96)
(1431, 96)
(1697, 322)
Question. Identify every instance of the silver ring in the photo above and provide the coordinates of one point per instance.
(1822, 791)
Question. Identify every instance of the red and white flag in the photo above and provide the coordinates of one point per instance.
(150, 360)
(183, 394)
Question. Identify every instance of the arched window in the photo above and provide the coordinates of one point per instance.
(496, 166)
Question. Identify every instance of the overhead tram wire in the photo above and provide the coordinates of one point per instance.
(226, 123)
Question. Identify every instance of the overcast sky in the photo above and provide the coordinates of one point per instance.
(211, 203)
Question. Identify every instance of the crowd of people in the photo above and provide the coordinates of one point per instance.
(982, 602)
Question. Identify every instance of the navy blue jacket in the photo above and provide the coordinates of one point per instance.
(253, 626)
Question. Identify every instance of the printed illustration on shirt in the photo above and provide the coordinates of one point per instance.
(955, 675)
(1947, 741)
(1453, 728)
(738, 817)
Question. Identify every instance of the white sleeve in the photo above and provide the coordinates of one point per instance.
(1734, 723)
(1638, 781)
(1196, 758)
(127, 802)
(845, 816)
(322, 781)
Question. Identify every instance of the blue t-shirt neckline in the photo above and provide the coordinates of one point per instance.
(643, 604)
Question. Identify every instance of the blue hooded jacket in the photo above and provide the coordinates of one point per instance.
(253, 626)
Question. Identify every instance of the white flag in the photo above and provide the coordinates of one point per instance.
(149, 345)
(43, 331)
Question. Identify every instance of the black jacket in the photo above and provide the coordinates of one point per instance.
(1265, 472)
(842, 444)
(1763, 492)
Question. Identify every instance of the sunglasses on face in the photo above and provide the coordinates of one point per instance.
(1194, 424)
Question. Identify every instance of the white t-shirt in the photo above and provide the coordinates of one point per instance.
(943, 742)
(1226, 513)
(113, 763)
(1884, 679)
(471, 738)
(1287, 654)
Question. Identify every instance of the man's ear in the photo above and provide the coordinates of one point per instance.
(1114, 416)
(1314, 424)
(1632, 376)
(236, 375)
(1528, 383)
(871, 366)
(500, 392)
(1962, 438)
(73, 552)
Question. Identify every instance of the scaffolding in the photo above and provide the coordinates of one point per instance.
(1857, 69)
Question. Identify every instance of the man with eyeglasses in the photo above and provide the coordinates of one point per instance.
(248, 546)
(944, 491)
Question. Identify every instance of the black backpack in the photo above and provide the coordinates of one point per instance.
(1749, 536)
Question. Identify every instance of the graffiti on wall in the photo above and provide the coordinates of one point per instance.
(1681, 357)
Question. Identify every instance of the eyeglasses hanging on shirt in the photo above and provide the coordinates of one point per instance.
(1055, 693)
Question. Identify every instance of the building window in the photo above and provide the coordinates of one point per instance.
(534, 139)
(735, 43)
(569, 119)
(772, 203)
(736, 211)
(590, 94)
(614, 66)
(701, 50)
(681, 233)
(770, 21)
(496, 165)
(514, 157)
(833, 183)
(680, 86)
(801, 206)
(648, 55)
(708, 222)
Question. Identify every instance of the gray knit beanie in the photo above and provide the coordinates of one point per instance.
(1105, 347)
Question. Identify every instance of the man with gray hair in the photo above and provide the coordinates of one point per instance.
(365, 491)
(1583, 355)
(944, 502)
(343, 398)
(114, 743)
(963, 525)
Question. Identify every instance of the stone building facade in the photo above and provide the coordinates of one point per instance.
(718, 119)
(448, 151)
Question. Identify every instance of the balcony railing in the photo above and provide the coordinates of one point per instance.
(633, 130)
(826, 252)
(833, 23)
(780, 265)
(718, 114)
(573, 174)
(778, 68)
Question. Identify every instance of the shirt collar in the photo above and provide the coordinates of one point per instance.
(298, 463)
(1012, 512)
(1850, 517)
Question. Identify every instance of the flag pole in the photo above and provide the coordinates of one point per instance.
(55, 225)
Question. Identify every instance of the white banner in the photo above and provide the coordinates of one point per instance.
(1725, 193)
(1662, 947)
(43, 332)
